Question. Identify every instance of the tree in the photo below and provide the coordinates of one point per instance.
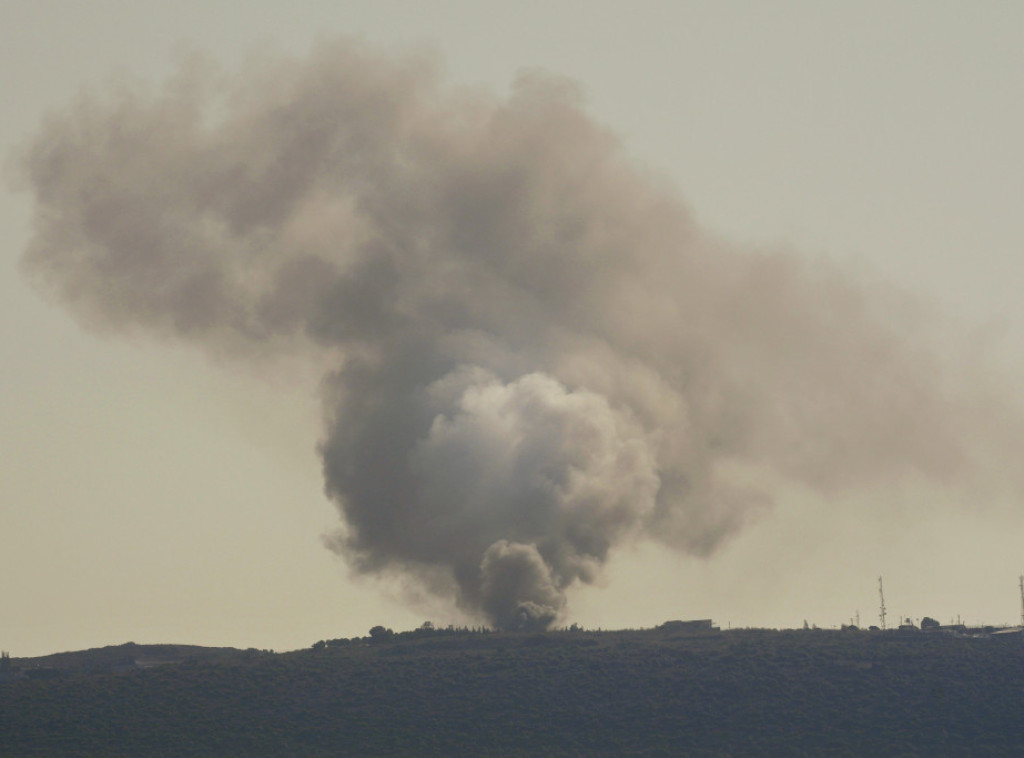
(929, 623)
(380, 634)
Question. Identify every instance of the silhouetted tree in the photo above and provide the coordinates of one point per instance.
(380, 634)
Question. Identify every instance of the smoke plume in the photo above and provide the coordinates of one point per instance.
(536, 354)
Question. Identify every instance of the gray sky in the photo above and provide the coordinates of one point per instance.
(149, 494)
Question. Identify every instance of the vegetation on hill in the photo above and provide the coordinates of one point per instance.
(452, 692)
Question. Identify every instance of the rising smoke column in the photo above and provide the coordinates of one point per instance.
(537, 355)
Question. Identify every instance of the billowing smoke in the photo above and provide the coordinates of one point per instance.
(537, 355)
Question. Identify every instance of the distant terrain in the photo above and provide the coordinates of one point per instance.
(673, 691)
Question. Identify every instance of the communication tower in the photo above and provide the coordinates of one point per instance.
(881, 598)
(1022, 600)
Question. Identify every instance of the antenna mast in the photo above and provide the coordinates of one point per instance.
(1022, 601)
(881, 597)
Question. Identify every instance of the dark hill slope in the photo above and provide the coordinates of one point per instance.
(813, 693)
(101, 659)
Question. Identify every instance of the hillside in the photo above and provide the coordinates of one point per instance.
(653, 692)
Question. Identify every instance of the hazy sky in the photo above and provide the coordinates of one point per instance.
(150, 494)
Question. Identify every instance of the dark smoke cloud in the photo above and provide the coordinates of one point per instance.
(537, 354)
